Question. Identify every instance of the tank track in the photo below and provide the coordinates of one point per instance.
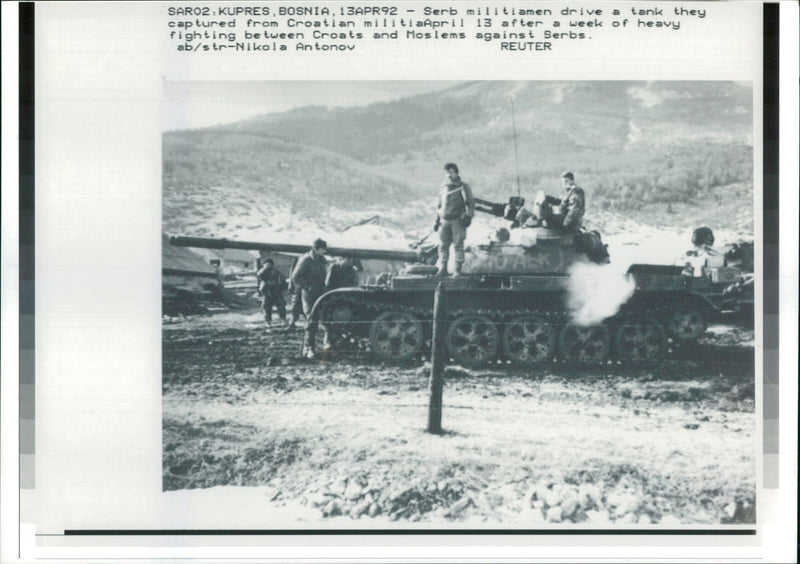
(482, 336)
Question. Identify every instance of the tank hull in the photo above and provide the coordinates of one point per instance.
(523, 319)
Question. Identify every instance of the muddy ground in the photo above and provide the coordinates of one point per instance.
(343, 439)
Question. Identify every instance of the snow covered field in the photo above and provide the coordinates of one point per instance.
(343, 444)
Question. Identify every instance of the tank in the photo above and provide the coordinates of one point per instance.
(515, 300)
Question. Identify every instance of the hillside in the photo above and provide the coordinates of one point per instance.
(659, 152)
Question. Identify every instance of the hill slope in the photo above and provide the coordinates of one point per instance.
(636, 148)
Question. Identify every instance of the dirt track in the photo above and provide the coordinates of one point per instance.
(669, 443)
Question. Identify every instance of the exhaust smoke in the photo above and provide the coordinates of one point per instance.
(596, 292)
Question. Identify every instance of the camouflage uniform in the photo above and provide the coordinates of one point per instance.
(271, 285)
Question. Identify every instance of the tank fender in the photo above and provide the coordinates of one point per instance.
(352, 290)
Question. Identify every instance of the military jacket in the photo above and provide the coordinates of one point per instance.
(270, 278)
(309, 274)
(572, 207)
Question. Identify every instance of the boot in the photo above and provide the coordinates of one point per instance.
(457, 273)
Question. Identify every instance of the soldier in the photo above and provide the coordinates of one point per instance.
(453, 215)
(341, 274)
(571, 206)
(309, 276)
(297, 305)
(271, 285)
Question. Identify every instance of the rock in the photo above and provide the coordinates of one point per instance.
(569, 506)
(333, 508)
(395, 515)
(624, 502)
(553, 498)
(338, 487)
(398, 493)
(512, 498)
(458, 506)
(627, 519)
(554, 514)
(597, 516)
(538, 504)
(568, 492)
(317, 499)
(359, 509)
(456, 372)
(542, 489)
(353, 491)
(580, 516)
(536, 516)
(669, 520)
(374, 509)
(730, 510)
(589, 494)
(644, 519)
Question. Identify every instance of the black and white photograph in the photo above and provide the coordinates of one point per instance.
(399, 281)
(460, 304)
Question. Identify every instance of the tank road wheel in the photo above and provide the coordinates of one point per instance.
(396, 335)
(590, 344)
(639, 338)
(472, 339)
(686, 323)
(529, 340)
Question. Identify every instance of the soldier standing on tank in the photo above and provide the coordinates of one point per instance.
(453, 215)
(271, 285)
(309, 276)
(571, 206)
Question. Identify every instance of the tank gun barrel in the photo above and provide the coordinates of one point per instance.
(361, 254)
(491, 208)
(506, 211)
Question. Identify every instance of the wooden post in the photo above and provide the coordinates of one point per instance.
(438, 358)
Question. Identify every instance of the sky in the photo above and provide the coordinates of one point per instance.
(189, 105)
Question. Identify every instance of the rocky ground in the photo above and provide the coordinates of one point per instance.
(344, 439)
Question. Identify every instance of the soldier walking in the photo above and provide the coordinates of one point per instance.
(453, 215)
(271, 285)
(309, 276)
